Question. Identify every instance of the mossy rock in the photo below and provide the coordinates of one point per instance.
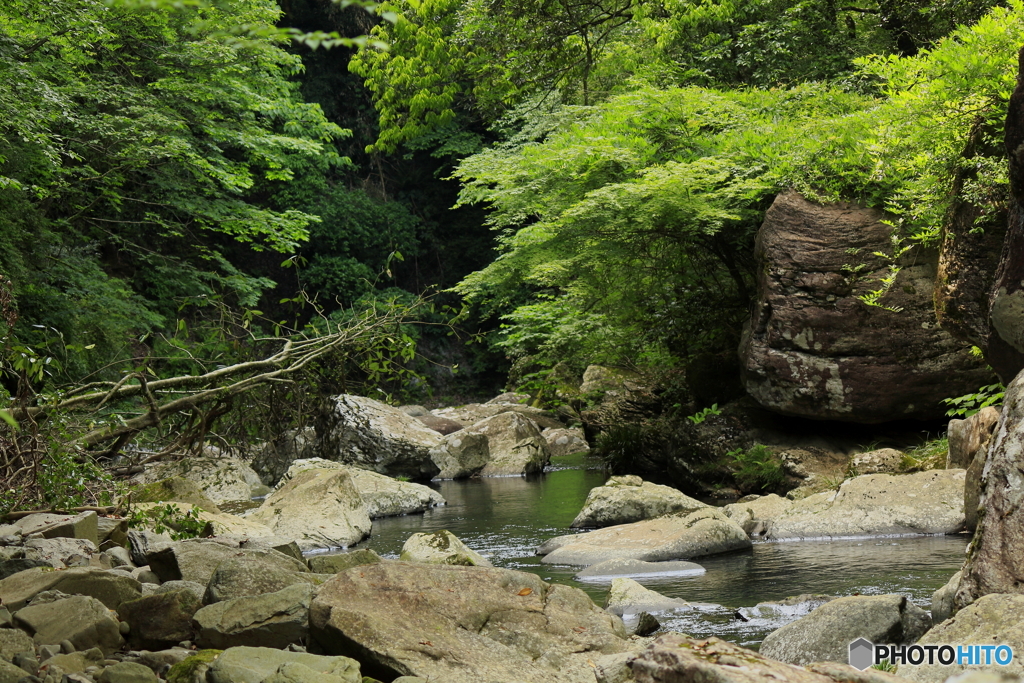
(183, 671)
(175, 489)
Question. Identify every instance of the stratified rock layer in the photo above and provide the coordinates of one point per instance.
(813, 349)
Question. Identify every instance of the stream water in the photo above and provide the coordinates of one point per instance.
(506, 518)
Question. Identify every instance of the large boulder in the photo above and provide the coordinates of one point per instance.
(274, 459)
(461, 454)
(45, 525)
(515, 444)
(994, 619)
(270, 620)
(177, 489)
(676, 537)
(995, 558)
(223, 479)
(878, 505)
(151, 516)
(461, 624)
(969, 442)
(812, 349)
(565, 441)
(881, 461)
(472, 413)
(826, 633)
(196, 560)
(319, 508)
(942, 599)
(756, 513)
(85, 622)
(270, 665)
(160, 620)
(240, 576)
(375, 436)
(441, 547)
(676, 658)
(382, 495)
(110, 588)
(630, 499)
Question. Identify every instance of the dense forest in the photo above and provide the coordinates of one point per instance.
(215, 213)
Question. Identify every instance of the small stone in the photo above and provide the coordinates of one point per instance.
(646, 624)
(128, 672)
(66, 647)
(125, 628)
(48, 651)
(27, 662)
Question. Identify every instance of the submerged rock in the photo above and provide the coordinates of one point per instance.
(630, 499)
(462, 624)
(878, 505)
(629, 597)
(826, 633)
(441, 547)
(789, 608)
(704, 532)
(610, 569)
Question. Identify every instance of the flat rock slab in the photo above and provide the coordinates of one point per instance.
(613, 569)
(110, 588)
(332, 564)
(461, 624)
(878, 505)
(84, 621)
(705, 532)
(264, 664)
(162, 620)
(994, 619)
(675, 658)
(197, 559)
(271, 620)
(623, 500)
(826, 633)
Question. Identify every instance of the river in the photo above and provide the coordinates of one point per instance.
(505, 518)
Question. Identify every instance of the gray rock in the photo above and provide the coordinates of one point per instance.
(224, 479)
(968, 436)
(382, 495)
(332, 564)
(826, 633)
(441, 547)
(196, 589)
(995, 559)
(277, 456)
(84, 621)
(270, 620)
(622, 501)
(515, 444)
(461, 454)
(112, 532)
(441, 425)
(414, 411)
(942, 600)
(278, 543)
(812, 349)
(127, 672)
(12, 567)
(320, 509)
(375, 436)
(47, 525)
(161, 620)
(75, 662)
(256, 664)
(705, 532)
(13, 641)
(472, 413)
(464, 625)
(175, 489)
(109, 587)
(565, 441)
(60, 552)
(145, 575)
(196, 560)
(992, 619)
(612, 569)
(646, 624)
(10, 673)
(240, 576)
(878, 505)
(141, 543)
(881, 461)
(118, 557)
(629, 597)
(754, 515)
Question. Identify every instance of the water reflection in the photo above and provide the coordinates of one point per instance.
(506, 518)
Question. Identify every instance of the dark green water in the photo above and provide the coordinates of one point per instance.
(506, 518)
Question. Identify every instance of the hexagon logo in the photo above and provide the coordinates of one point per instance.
(862, 654)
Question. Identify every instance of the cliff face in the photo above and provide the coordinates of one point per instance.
(812, 349)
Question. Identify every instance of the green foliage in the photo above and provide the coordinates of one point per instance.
(757, 468)
(703, 414)
(969, 404)
(170, 519)
(622, 445)
(885, 665)
(930, 455)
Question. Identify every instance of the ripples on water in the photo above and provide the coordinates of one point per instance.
(506, 518)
